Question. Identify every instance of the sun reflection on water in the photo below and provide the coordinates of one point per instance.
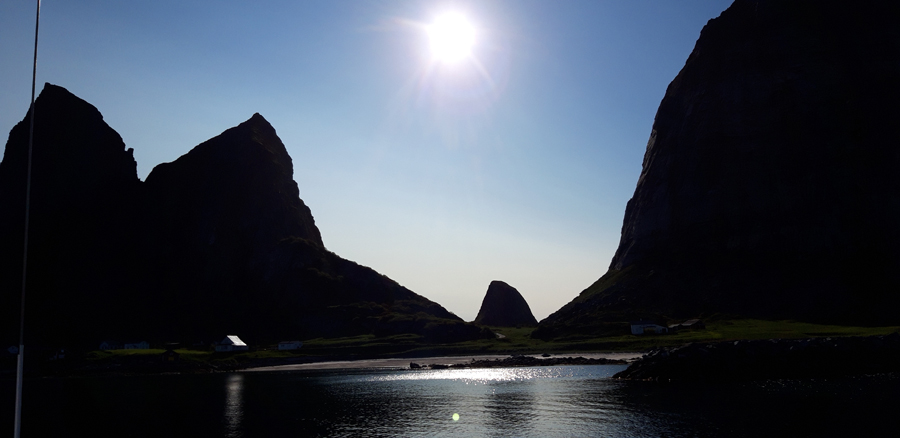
(234, 405)
(481, 376)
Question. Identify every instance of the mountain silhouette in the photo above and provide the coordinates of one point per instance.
(769, 185)
(216, 242)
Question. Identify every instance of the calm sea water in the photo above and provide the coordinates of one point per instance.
(507, 402)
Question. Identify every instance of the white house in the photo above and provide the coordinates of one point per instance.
(231, 343)
(142, 345)
(289, 345)
(647, 327)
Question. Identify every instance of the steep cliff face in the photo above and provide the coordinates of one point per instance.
(769, 185)
(216, 242)
(504, 306)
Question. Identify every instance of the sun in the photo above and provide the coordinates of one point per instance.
(452, 38)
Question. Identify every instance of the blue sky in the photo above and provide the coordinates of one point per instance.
(515, 165)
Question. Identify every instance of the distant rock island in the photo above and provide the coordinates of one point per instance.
(770, 184)
(216, 242)
(504, 306)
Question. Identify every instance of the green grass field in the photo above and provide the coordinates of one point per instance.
(515, 341)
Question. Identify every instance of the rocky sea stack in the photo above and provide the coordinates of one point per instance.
(504, 306)
(216, 242)
(769, 185)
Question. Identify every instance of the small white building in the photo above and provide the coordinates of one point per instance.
(647, 327)
(231, 343)
(289, 345)
(142, 345)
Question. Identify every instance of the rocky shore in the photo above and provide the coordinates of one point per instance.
(768, 359)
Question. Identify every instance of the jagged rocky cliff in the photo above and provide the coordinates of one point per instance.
(504, 306)
(769, 186)
(217, 242)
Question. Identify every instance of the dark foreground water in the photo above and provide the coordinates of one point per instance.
(506, 402)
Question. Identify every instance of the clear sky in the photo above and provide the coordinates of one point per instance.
(514, 163)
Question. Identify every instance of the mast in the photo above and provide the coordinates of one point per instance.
(21, 356)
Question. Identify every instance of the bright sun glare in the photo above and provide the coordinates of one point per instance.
(452, 38)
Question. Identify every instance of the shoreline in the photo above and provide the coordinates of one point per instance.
(149, 365)
(400, 363)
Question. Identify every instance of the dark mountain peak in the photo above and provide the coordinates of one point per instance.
(258, 118)
(71, 141)
(504, 306)
(240, 181)
(84, 187)
(769, 184)
(92, 170)
(254, 140)
(263, 134)
(57, 93)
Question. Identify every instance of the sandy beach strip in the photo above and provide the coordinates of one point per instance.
(403, 363)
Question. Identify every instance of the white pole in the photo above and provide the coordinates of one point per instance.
(21, 358)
